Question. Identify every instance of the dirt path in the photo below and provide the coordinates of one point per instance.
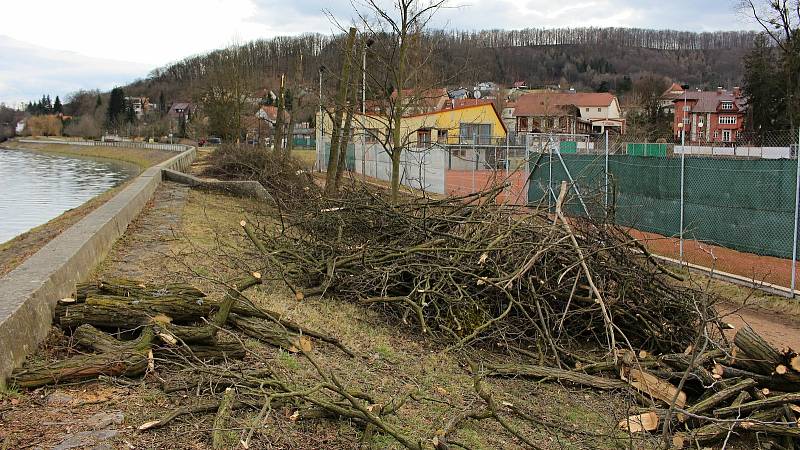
(146, 244)
(781, 330)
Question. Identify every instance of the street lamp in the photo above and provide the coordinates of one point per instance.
(367, 45)
(321, 120)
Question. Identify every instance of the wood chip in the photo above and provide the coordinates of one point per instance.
(640, 422)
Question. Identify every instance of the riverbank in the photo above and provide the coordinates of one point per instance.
(143, 158)
(19, 248)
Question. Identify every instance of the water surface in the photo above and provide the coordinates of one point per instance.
(38, 187)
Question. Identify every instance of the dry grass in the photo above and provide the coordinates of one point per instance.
(143, 158)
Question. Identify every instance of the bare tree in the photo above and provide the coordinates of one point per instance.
(400, 73)
(780, 20)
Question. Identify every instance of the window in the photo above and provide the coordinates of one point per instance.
(371, 136)
(726, 135)
(728, 106)
(727, 120)
(523, 124)
(442, 137)
(424, 137)
(716, 134)
(686, 108)
(479, 133)
(587, 109)
(599, 109)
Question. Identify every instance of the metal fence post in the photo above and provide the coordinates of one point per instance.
(605, 202)
(796, 211)
(683, 159)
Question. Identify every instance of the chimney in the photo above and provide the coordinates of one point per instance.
(719, 90)
(737, 92)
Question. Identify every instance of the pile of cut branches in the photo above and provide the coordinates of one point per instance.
(468, 270)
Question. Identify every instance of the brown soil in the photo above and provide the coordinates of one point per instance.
(767, 269)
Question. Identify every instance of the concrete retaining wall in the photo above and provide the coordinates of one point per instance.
(29, 293)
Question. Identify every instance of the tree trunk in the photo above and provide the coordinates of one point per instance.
(220, 436)
(759, 356)
(395, 175)
(278, 140)
(128, 360)
(346, 134)
(341, 98)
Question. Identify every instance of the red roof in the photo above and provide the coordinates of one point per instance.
(709, 101)
(544, 103)
(461, 102)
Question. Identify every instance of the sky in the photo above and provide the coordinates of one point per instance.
(98, 44)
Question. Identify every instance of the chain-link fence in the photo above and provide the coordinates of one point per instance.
(730, 206)
(726, 205)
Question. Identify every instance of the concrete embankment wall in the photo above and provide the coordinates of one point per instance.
(28, 294)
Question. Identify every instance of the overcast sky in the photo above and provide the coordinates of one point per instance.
(112, 42)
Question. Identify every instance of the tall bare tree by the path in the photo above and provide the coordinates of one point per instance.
(341, 99)
(399, 72)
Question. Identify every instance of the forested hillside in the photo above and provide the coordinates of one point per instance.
(584, 58)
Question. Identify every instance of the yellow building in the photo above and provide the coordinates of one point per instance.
(478, 124)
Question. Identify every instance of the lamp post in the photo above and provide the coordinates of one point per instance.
(682, 127)
(321, 121)
(367, 45)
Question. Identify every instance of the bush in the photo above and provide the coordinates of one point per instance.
(49, 125)
(283, 177)
(85, 127)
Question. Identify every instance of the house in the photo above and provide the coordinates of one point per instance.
(568, 112)
(475, 124)
(710, 116)
(140, 105)
(414, 101)
(269, 114)
(181, 109)
(520, 85)
(665, 102)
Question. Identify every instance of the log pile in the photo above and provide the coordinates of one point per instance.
(701, 397)
(176, 320)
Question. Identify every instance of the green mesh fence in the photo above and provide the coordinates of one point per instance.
(746, 205)
(350, 156)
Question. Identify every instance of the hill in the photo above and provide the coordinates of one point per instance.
(584, 58)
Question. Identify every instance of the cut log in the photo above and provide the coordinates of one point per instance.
(769, 402)
(218, 351)
(263, 330)
(772, 382)
(717, 431)
(93, 339)
(578, 378)
(129, 360)
(759, 356)
(721, 396)
(640, 422)
(133, 288)
(653, 386)
(221, 436)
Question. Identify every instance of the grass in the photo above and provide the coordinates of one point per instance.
(307, 155)
(143, 158)
(393, 360)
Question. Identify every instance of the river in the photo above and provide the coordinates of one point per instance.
(37, 187)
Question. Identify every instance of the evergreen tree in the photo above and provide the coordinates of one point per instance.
(287, 100)
(48, 108)
(765, 91)
(162, 103)
(116, 107)
(57, 107)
